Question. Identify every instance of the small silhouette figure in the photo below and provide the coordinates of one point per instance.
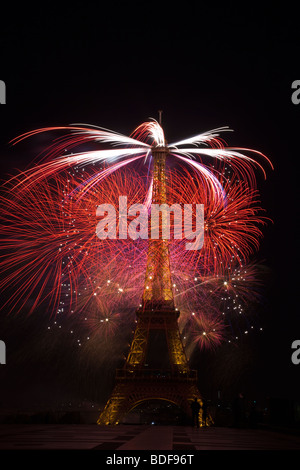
(204, 412)
(195, 406)
(239, 411)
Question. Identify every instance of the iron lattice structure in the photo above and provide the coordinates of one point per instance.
(156, 366)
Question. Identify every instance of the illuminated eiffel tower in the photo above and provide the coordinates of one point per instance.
(156, 367)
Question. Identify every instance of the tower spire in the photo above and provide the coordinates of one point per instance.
(160, 117)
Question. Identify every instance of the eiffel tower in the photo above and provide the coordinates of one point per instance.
(156, 367)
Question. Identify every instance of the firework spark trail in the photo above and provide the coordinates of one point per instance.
(38, 259)
(232, 229)
(204, 332)
(50, 250)
(216, 308)
(55, 162)
(54, 238)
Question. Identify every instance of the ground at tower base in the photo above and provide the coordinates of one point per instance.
(142, 437)
(276, 426)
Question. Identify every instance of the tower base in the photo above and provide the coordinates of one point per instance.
(133, 388)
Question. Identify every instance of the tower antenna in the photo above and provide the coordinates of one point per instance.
(160, 115)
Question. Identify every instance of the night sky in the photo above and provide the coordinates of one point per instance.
(115, 65)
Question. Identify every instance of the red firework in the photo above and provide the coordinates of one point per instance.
(50, 253)
(232, 227)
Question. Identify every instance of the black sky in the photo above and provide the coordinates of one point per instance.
(115, 64)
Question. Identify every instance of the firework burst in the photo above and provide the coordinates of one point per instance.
(51, 255)
(136, 148)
